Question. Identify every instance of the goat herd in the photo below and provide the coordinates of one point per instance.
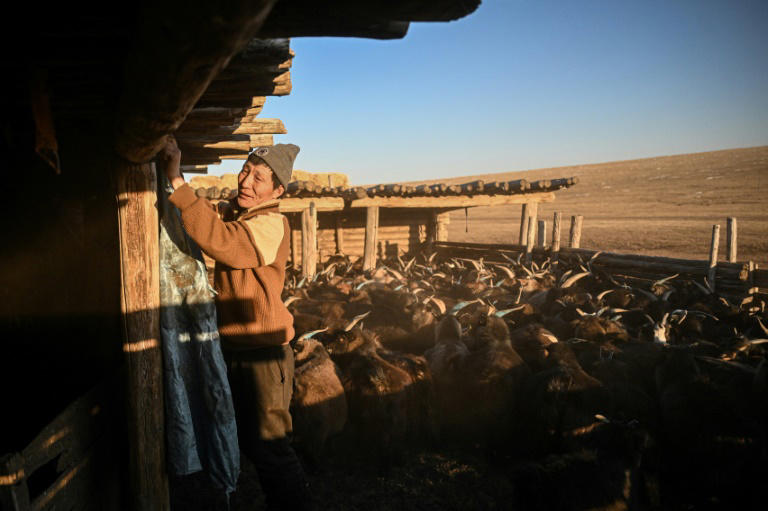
(583, 391)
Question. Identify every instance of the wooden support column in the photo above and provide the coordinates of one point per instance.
(533, 212)
(533, 208)
(575, 238)
(309, 241)
(523, 224)
(541, 235)
(295, 251)
(371, 231)
(339, 232)
(441, 226)
(140, 304)
(556, 236)
(731, 239)
(713, 250)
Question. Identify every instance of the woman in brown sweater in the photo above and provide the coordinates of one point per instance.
(250, 245)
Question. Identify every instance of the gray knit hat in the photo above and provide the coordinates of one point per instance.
(280, 158)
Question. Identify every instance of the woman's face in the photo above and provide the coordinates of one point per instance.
(254, 185)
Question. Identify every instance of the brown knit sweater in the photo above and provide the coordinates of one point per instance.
(250, 252)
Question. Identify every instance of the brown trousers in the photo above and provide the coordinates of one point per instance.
(262, 383)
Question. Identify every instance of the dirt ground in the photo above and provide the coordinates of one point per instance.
(662, 206)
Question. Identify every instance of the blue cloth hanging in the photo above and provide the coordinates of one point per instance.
(200, 417)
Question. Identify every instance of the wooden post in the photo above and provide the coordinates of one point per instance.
(295, 253)
(541, 235)
(441, 226)
(731, 239)
(531, 234)
(575, 239)
(371, 230)
(339, 232)
(713, 249)
(523, 224)
(138, 230)
(309, 241)
(556, 236)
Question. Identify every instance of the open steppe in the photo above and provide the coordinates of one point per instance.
(663, 206)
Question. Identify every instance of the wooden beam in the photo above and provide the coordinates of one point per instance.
(228, 129)
(290, 19)
(227, 143)
(321, 204)
(182, 51)
(371, 228)
(460, 201)
(381, 19)
(140, 304)
(732, 239)
(541, 234)
(309, 241)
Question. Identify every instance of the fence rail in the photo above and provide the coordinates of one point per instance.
(71, 464)
(729, 278)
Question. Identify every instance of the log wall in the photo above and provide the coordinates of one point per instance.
(400, 230)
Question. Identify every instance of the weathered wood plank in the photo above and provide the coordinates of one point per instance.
(292, 205)
(575, 235)
(371, 228)
(194, 52)
(459, 201)
(713, 250)
(556, 235)
(523, 224)
(732, 239)
(14, 493)
(140, 304)
(309, 241)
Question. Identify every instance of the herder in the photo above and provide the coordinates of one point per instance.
(250, 246)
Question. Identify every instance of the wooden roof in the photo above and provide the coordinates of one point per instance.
(439, 195)
(199, 69)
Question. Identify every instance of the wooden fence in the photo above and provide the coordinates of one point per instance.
(73, 463)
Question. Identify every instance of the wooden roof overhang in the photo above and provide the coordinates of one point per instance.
(122, 83)
(293, 205)
(434, 196)
(197, 69)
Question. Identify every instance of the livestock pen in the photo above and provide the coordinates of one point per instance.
(89, 101)
(664, 411)
(572, 379)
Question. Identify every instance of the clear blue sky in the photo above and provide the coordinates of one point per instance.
(522, 85)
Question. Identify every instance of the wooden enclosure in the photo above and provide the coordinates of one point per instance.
(89, 102)
(387, 220)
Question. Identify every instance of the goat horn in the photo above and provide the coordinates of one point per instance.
(290, 300)
(311, 334)
(571, 280)
(440, 304)
(355, 321)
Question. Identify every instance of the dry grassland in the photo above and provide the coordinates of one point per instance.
(662, 206)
